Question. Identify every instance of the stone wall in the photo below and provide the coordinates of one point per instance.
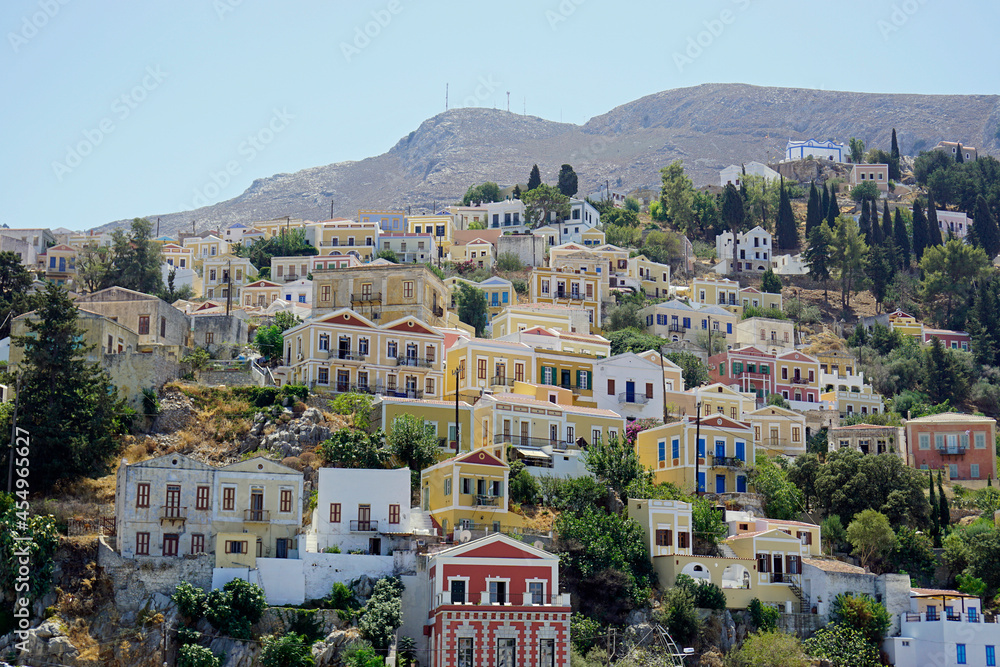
(137, 580)
(529, 249)
(132, 372)
(235, 378)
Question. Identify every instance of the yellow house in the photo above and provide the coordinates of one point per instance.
(849, 394)
(278, 225)
(592, 237)
(807, 534)
(571, 289)
(468, 492)
(342, 352)
(724, 448)
(440, 227)
(499, 292)
(345, 236)
(287, 269)
(751, 296)
(259, 507)
(796, 377)
(549, 315)
(177, 256)
(778, 431)
(205, 248)
(833, 361)
(718, 398)
(569, 370)
(778, 556)
(679, 402)
(717, 292)
(539, 337)
(261, 293)
(439, 414)
(667, 525)
(486, 365)
(60, 264)
(479, 251)
(907, 324)
(223, 272)
(653, 277)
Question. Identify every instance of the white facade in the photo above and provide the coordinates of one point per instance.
(506, 214)
(298, 291)
(820, 150)
(790, 265)
(943, 628)
(954, 223)
(234, 233)
(640, 381)
(361, 509)
(734, 173)
(182, 277)
(754, 251)
(409, 248)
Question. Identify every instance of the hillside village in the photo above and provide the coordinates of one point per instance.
(534, 427)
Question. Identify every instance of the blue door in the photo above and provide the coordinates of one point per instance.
(701, 449)
(496, 300)
(741, 484)
(630, 392)
(701, 481)
(720, 449)
(720, 483)
(741, 451)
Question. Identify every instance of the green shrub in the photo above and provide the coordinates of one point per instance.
(764, 618)
(679, 616)
(769, 649)
(524, 488)
(706, 594)
(290, 650)
(406, 649)
(235, 608)
(520, 286)
(862, 613)
(508, 261)
(584, 633)
(361, 654)
(842, 646)
(307, 624)
(383, 613)
(341, 596)
(193, 655)
(187, 636)
(299, 391)
(190, 601)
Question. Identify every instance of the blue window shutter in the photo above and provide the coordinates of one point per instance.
(701, 482)
(701, 448)
(675, 447)
(662, 451)
(741, 484)
(729, 327)
(741, 452)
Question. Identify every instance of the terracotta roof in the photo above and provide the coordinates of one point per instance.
(781, 522)
(828, 565)
(938, 592)
(743, 536)
(946, 417)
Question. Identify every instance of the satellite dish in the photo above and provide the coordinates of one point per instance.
(464, 536)
(538, 544)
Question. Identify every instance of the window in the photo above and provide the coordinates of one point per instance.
(394, 513)
(391, 349)
(953, 470)
(334, 512)
(467, 485)
(324, 293)
(209, 338)
(323, 376)
(661, 448)
(547, 653)
(925, 441)
(498, 593)
(683, 540)
(980, 440)
(959, 648)
(974, 471)
(142, 495)
(991, 656)
(201, 499)
(611, 387)
(796, 434)
(144, 325)
(481, 369)
(286, 501)
(649, 390)
(198, 543)
(324, 342)
(464, 645)
(407, 289)
(664, 537)
(142, 544)
(236, 546)
(170, 543)
(228, 498)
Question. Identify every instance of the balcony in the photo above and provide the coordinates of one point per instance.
(526, 441)
(172, 513)
(632, 397)
(366, 297)
(572, 296)
(676, 327)
(289, 277)
(957, 450)
(510, 599)
(362, 526)
(800, 380)
(727, 462)
(414, 362)
(438, 311)
(488, 500)
(257, 516)
(501, 381)
(347, 355)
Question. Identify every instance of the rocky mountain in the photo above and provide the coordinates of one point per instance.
(708, 127)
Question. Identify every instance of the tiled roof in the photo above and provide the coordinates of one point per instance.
(828, 565)
(937, 592)
(422, 401)
(946, 417)
(780, 522)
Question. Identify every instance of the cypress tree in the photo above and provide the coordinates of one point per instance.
(902, 241)
(959, 158)
(814, 215)
(786, 231)
(535, 178)
(945, 517)
(825, 207)
(985, 226)
(933, 228)
(887, 232)
(920, 231)
(935, 511)
(989, 481)
(517, 192)
(894, 158)
(865, 222)
(834, 212)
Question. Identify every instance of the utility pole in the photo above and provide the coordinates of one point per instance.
(229, 287)
(331, 209)
(157, 226)
(697, 444)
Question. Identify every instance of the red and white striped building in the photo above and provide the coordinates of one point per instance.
(495, 602)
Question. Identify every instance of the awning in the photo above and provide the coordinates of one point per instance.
(532, 453)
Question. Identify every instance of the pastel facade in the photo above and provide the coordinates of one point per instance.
(819, 150)
(486, 365)
(409, 248)
(278, 226)
(717, 398)
(849, 394)
(964, 444)
(678, 321)
(345, 236)
(437, 415)
(558, 287)
(203, 248)
(468, 492)
(797, 377)
(522, 316)
(766, 333)
(871, 173)
(868, 439)
(224, 273)
(653, 277)
(367, 510)
(177, 256)
(388, 221)
(499, 292)
(778, 431)
(261, 293)
(384, 292)
(754, 251)
(442, 227)
(747, 369)
(632, 386)
(60, 264)
(343, 351)
(538, 337)
(943, 627)
(953, 223)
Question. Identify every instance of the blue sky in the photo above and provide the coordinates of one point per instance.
(117, 110)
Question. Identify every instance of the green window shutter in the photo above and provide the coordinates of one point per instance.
(734, 368)
(590, 379)
(541, 374)
(579, 378)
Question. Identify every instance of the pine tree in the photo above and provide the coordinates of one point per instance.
(865, 223)
(945, 516)
(568, 182)
(535, 179)
(933, 228)
(902, 241)
(73, 412)
(920, 231)
(813, 213)
(935, 511)
(818, 255)
(517, 192)
(734, 215)
(985, 226)
(959, 158)
(983, 323)
(787, 233)
(894, 158)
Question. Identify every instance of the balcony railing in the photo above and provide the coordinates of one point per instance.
(626, 397)
(676, 327)
(347, 355)
(501, 381)
(359, 526)
(727, 462)
(438, 311)
(416, 362)
(364, 297)
(800, 380)
(928, 617)
(573, 296)
(173, 512)
(958, 450)
(522, 599)
(526, 441)
(257, 516)
(488, 500)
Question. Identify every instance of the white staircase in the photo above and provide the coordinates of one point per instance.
(420, 522)
(727, 551)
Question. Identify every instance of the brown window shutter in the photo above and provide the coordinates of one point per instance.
(649, 390)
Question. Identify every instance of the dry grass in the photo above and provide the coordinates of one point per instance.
(79, 635)
(540, 520)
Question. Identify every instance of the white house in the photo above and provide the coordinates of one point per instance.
(641, 384)
(821, 150)
(943, 627)
(734, 173)
(753, 253)
(358, 509)
(790, 265)
(298, 291)
(954, 223)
